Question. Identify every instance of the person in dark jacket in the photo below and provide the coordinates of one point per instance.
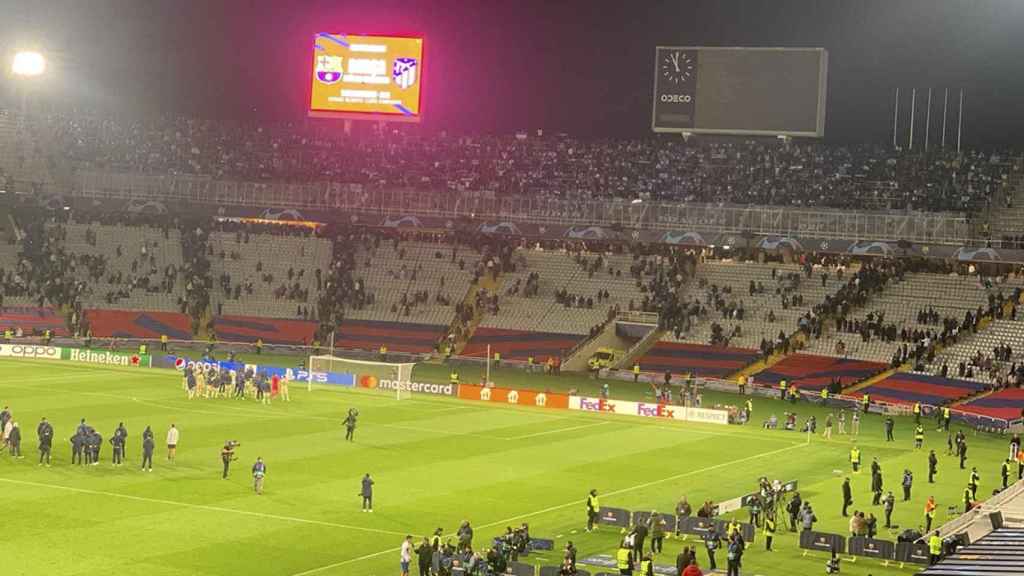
(847, 496)
(45, 433)
(147, 452)
(366, 491)
(14, 441)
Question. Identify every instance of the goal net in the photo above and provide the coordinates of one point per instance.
(393, 377)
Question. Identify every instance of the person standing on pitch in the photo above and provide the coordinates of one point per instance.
(908, 481)
(929, 513)
(973, 482)
(769, 530)
(855, 423)
(45, 433)
(123, 433)
(14, 444)
(888, 503)
(366, 491)
(405, 556)
(847, 495)
(117, 443)
(227, 454)
(147, 452)
(172, 443)
(77, 448)
(918, 437)
(593, 509)
(350, 424)
(962, 452)
(259, 470)
(933, 463)
(889, 425)
(1004, 472)
(855, 458)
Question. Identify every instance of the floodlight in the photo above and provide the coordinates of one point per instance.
(28, 64)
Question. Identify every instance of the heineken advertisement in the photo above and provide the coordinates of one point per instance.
(105, 357)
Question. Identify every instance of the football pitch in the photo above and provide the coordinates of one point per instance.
(435, 461)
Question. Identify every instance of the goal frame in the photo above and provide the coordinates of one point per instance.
(403, 371)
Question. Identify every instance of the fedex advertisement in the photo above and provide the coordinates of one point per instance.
(648, 410)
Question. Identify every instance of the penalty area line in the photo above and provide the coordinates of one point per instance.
(201, 506)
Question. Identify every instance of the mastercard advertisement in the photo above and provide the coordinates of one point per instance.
(366, 77)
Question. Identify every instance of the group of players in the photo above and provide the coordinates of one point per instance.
(213, 382)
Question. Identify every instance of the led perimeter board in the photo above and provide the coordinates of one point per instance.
(366, 77)
(751, 91)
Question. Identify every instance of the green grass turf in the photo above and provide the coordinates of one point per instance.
(436, 462)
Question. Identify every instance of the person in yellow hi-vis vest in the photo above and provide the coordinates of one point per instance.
(824, 395)
(453, 376)
(259, 346)
(917, 412)
(782, 389)
(636, 372)
(497, 359)
(8, 334)
(163, 342)
(855, 458)
(624, 559)
(934, 548)
(143, 349)
(865, 402)
(383, 350)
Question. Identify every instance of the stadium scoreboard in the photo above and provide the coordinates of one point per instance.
(366, 77)
(752, 91)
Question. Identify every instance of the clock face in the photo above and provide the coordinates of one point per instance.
(676, 66)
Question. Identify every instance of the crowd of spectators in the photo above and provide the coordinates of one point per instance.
(697, 170)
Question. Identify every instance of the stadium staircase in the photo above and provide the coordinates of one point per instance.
(640, 348)
(1008, 218)
(492, 285)
(607, 337)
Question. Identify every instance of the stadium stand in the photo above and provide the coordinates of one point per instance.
(741, 172)
(816, 372)
(908, 388)
(270, 330)
(897, 308)
(267, 275)
(563, 296)
(121, 267)
(370, 335)
(978, 356)
(1007, 404)
(696, 359)
(32, 320)
(136, 324)
(411, 282)
(998, 553)
(520, 344)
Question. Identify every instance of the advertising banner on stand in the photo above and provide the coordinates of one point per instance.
(514, 397)
(648, 410)
(32, 351)
(105, 357)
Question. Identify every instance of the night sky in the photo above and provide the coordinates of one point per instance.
(495, 66)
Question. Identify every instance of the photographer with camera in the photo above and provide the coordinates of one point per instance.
(227, 455)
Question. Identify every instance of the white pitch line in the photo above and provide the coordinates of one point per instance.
(646, 484)
(560, 430)
(561, 506)
(202, 507)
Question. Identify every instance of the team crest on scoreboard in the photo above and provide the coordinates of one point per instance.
(404, 72)
(328, 69)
